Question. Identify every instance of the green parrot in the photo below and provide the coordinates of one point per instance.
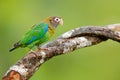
(39, 33)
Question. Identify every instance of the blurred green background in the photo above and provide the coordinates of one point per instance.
(99, 62)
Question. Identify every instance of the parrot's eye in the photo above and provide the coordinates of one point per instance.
(57, 19)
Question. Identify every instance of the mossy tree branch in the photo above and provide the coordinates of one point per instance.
(74, 39)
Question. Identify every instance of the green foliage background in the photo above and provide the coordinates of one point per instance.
(99, 62)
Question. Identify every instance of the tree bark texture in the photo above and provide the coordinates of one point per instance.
(74, 39)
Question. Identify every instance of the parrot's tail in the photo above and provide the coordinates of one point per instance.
(16, 45)
(12, 49)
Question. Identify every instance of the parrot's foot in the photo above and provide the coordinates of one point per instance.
(33, 52)
(39, 49)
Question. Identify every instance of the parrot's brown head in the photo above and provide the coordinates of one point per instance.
(54, 21)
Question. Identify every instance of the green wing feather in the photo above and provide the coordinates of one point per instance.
(36, 33)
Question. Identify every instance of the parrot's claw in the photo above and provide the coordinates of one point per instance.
(33, 52)
(39, 49)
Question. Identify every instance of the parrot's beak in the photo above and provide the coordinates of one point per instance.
(61, 22)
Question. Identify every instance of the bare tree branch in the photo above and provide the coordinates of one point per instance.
(67, 42)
